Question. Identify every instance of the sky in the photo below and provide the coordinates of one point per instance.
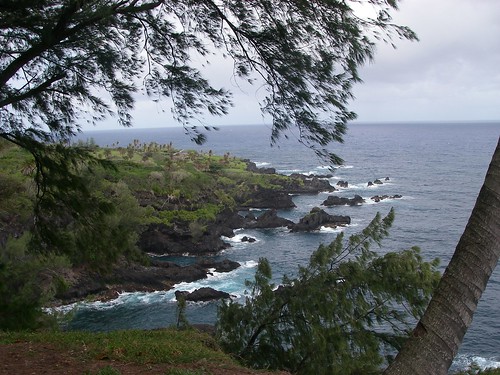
(451, 74)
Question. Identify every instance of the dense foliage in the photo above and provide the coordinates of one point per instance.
(341, 314)
(64, 61)
(100, 226)
(68, 62)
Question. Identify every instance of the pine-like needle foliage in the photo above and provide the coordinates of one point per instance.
(342, 314)
(63, 62)
(67, 62)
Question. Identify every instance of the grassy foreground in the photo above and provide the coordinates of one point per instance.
(165, 351)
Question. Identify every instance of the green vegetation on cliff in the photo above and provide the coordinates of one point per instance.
(146, 184)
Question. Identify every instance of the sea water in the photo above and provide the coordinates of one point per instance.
(438, 168)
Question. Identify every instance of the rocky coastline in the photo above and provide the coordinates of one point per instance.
(180, 239)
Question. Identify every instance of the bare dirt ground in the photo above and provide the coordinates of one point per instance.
(27, 358)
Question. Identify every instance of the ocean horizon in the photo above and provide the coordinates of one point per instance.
(438, 168)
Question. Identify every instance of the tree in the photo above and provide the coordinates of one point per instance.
(67, 61)
(437, 337)
(63, 61)
(338, 315)
(27, 281)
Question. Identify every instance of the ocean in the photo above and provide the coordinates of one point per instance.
(438, 168)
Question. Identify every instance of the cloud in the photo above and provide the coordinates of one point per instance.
(451, 74)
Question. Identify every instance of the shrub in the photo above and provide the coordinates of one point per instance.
(345, 309)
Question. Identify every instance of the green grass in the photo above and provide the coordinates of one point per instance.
(167, 346)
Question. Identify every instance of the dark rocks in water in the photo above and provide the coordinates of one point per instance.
(252, 167)
(334, 200)
(307, 184)
(261, 197)
(130, 278)
(226, 221)
(318, 218)
(378, 198)
(378, 181)
(268, 219)
(178, 239)
(181, 294)
(202, 295)
(225, 265)
(314, 185)
(343, 184)
(159, 275)
(248, 239)
(169, 271)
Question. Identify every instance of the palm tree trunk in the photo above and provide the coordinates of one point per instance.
(437, 337)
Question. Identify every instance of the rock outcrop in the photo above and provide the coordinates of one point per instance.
(378, 181)
(179, 239)
(202, 295)
(252, 167)
(262, 197)
(305, 184)
(225, 265)
(378, 198)
(138, 278)
(318, 218)
(268, 219)
(334, 200)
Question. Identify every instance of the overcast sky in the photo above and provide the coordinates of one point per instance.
(451, 74)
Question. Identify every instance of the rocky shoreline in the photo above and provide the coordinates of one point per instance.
(179, 239)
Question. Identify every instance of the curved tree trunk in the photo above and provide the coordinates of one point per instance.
(437, 337)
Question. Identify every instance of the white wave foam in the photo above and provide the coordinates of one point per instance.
(249, 264)
(261, 164)
(331, 230)
(289, 171)
(354, 186)
(237, 238)
(463, 362)
(63, 309)
(123, 298)
(345, 166)
(256, 210)
(230, 282)
(187, 255)
(370, 201)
